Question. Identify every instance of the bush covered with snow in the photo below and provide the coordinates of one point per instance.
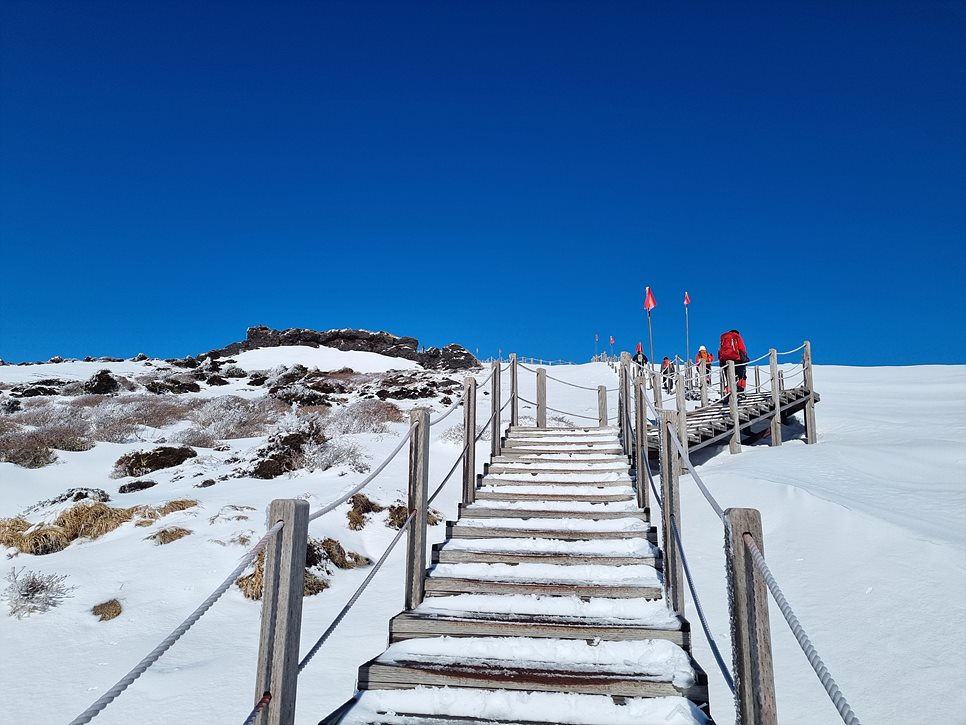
(32, 592)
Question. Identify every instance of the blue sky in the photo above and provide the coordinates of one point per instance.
(504, 175)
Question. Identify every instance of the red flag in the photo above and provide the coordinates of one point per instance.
(649, 302)
(687, 299)
(640, 347)
(611, 339)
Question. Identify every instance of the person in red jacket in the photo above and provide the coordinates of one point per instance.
(708, 358)
(733, 348)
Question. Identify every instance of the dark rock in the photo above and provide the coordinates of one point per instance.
(206, 483)
(140, 357)
(233, 371)
(102, 383)
(216, 380)
(283, 450)
(185, 362)
(171, 385)
(110, 359)
(10, 405)
(48, 386)
(446, 400)
(56, 359)
(88, 359)
(300, 394)
(139, 463)
(256, 380)
(453, 357)
(136, 486)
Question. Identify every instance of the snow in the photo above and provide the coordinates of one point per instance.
(883, 493)
(323, 358)
(631, 575)
(539, 524)
(588, 547)
(562, 506)
(654, 659)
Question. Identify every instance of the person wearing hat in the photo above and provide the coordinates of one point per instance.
(708, 358)
(732, 347)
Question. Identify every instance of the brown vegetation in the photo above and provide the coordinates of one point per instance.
(361, 506)
(140, 463)
(169, 534)
(107, 610)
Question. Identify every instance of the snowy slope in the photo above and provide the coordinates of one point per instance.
(864, 531)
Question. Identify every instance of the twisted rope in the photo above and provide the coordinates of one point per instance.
(694, 474)
(725, 672)
(141, 667)
(838, 699)
(449, 410)
(259, 706)
(789, 352)
(342, 499)
(352, 600)
(562, 412)
(564, 382)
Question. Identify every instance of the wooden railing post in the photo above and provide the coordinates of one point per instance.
(670, 466)
(469, 436)
(656, 388)
(602, 405)
(640, 442)
(776, 399)
(757, 379)
(751, 632)
(682, 409)
(284, 585)
(734, 444)
(496, 428)
(514, 392)
(811, 432)
(418, 496)
(541, 398)
(703, 371)
(624, 403)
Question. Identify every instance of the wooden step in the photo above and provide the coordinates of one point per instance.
(477, 511)
(529, 480)
(455, 530)
(444, 556)
(439, 586)
(573, 468)
(408, 625)
(487, 495)
(405, 669)
(592, 430)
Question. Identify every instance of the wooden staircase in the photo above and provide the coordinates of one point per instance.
(543, 605)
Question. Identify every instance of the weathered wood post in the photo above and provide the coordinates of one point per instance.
(776, 399)
(682, 410)
(284, 585)
(602, 406)
(624, 407)
(541, 398)
(811, 432)
(781, 380)
(704, 371)
(496, 428)
(751, 632)
(514, 392)
(418, 495)
(469, 436)
(670, 466)
(757, 379)
(734, 445)
(656, 388)
(640, 430)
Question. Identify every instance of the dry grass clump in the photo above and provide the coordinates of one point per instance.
(362, 505)
(87, 519)
(318, 555)
(364, 416)
(158, 411)
(107, 610)
(231, 512)
(400, 512)
(169, 534)
(25, 449)
(7, 425)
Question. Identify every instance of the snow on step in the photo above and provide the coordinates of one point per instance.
(506, 706)
(551, 490)
(564, 477)
(601, 507)
(632, 575)
(574, 440)
(654, 659)
(590, 547)
(653, 613)
(563, 524)
(563, 466)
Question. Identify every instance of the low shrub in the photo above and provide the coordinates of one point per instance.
(323, 456)
(26, 449)
(32, 592)
(195, 436)
(364, 416)
(230, 416)
(361, 506)
(140, 463)
(169, 534)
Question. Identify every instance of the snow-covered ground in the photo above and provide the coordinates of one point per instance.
(883, 494)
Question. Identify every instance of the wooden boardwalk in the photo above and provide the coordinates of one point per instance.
(546, 597)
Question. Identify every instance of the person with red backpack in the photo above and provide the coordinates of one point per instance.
(732, 347)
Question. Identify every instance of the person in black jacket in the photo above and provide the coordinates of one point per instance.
(667, 373)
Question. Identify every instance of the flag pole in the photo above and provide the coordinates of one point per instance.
(650, 336)
(595, 345)
(687, 335)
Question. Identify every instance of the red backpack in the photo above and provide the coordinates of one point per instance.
(729, 349)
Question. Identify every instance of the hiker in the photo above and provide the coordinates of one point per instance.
(732, 347)
(667, 373)
(639, 357)
(708, 358)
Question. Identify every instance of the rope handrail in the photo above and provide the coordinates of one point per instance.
(141, 667)
(562, 412)
(564, 382)
(352, 492)
(824, 676)
(694, 474)
(352, 600)
(450, 409)
(789, 352)
(725, 672)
